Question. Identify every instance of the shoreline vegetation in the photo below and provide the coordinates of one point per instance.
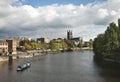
(107, 45)
(30, 48)
(32, 53)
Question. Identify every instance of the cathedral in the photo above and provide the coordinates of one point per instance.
(76, 40)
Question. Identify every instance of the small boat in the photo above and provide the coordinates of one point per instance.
(22, 67)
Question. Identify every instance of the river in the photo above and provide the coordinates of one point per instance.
(60, 67)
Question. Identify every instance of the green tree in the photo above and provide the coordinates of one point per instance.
(35, 45)
(98, 47)
(57, 46)
(107, 45)
(64, 44)
(70, 43)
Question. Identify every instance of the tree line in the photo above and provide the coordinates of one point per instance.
(53, 45)
(60, 44)
(107, 45)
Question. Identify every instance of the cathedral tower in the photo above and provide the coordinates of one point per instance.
(69, 35)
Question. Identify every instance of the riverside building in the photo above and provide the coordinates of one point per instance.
(76, 40)
(12, 46)
(3, 47)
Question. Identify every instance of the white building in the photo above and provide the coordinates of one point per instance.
(3, 46)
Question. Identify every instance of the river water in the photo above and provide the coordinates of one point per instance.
(61, 67)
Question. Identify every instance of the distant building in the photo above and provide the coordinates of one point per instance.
(12, 46)
(76, 40)
(17, 39)
(3, 46)
(43, 40)
(69, 35)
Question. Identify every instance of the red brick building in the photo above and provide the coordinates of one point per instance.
(12, 46)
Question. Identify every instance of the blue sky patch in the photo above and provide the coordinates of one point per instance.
(36, 3)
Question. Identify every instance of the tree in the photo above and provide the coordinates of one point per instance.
(27, 46)
(98, 47)
(35, 45)
(107, 45)
(57, 46)
(70, 43)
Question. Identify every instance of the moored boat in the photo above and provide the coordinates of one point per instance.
(22, 67)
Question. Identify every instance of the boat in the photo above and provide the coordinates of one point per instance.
(23, 67)
(28, 64)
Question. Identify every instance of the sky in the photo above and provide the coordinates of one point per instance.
(37, 3)
(52, 18)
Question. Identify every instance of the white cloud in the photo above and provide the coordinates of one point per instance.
(6, 2)
(102, 13)
(54, 20)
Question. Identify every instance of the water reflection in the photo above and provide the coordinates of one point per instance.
(108, 70)
(61, 67)
(10, 65)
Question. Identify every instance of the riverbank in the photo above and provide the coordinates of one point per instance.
(32, 53)
(111, 60)
(101, 59)
(5, 58)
